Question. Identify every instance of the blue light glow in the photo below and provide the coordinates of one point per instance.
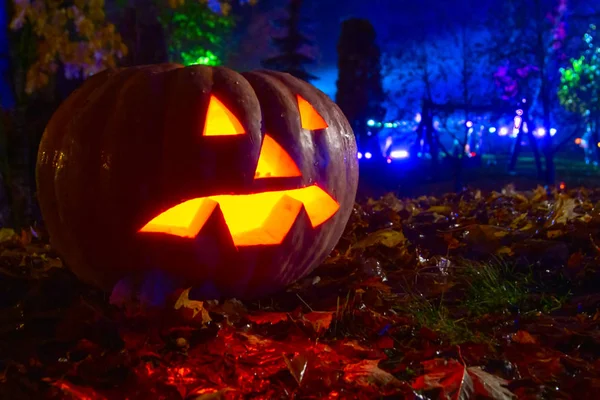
(368, 155)
(359, 155)
(371, 122)
(492, 130)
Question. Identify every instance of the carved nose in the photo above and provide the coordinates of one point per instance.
(274, 161)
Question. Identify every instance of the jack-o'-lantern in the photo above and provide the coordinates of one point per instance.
(237, 184)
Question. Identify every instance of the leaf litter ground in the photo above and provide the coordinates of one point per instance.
(467, 295)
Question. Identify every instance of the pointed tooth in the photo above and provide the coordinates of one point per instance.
(194, 213)
(276, 226)
(214, 235)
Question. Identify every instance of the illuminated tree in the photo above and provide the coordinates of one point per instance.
(196, 33)
(579, 89)
(73, 40)
(74, 35)
(293, 47)
(530, 51)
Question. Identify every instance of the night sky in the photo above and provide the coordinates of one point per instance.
(395, 21)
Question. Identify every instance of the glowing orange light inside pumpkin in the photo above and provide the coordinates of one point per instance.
(274, 161)
(310, 118)
(253, 219)
(220, 121)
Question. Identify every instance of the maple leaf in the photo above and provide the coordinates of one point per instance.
(563, 211)
(386, 237)
(490, 385)
(319, 320)
(194, 306)
(458, 382)
(448, 375)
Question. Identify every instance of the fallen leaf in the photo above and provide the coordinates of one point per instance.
(575, 260)
(443, 210)
(26, 237)
(490, 386)
(267, 317)
(367, 373)
(459, 382)
(319, 320)
(448, 375)
(210, 394)
(77, 392)
(386, 237)
(7, 234)
(194, 306)
(564, 211)
(523, 337)
(297, 366)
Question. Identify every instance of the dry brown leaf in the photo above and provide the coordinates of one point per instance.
(523, 337)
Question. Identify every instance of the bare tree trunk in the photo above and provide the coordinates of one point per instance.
(514, 154)
(596, 135)
(545, 98)
(20, 165)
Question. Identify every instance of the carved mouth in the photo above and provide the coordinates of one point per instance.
(253, 219)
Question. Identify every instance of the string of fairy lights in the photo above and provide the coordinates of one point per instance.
(509, 131)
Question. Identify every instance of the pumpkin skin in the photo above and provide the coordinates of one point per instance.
(128, 145)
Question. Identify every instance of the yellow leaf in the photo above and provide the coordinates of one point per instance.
(386, 237)
(196, 307)
(504, 250)
(444, 210)
(7, 234)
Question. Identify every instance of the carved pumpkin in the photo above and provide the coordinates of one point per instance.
(237, 184)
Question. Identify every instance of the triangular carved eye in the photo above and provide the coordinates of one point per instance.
(220, 121)
(310, 118)
(274, 161)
